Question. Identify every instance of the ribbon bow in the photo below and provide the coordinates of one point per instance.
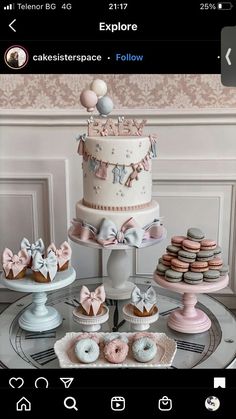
(145, 299)
(45, 266)
(130, 233)
(15, 262)
(38, 246)
(81, 137)
(92, 299)
(83, 230)
(63, 254)
(154, 230)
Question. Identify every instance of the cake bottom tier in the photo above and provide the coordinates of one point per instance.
(94, 217)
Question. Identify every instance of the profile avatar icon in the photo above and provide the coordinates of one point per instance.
(16, 57)
(212, 403)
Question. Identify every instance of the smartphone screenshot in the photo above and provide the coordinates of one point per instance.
(117, 208)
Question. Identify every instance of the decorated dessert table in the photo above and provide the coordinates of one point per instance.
(214, 348)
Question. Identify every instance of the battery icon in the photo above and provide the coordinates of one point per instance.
(224, 6)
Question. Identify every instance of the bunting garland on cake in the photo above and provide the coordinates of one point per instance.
(100, 167)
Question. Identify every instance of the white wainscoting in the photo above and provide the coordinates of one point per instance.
(194, 181)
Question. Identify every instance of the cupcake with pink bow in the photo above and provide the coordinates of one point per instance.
(15, 266)
(92, 301)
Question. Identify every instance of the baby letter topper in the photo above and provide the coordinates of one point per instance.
(95, 127)
(110, 127)
(139, 126)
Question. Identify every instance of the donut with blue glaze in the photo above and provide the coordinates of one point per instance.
(144, 349)
(87, 350)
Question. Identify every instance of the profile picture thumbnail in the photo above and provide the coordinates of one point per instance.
(16, 57)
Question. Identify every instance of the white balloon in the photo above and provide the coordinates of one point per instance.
(99, 87)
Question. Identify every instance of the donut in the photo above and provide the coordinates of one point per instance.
(144, 349)
(116, 351)
(112, 336)
(140, 335)
(87, 350)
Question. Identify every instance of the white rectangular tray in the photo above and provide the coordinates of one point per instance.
(166, 349)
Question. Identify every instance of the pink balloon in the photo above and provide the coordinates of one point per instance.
(88, 99)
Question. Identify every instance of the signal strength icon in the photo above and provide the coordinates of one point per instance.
(9, 6)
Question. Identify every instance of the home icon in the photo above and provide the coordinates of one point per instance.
(23, 405)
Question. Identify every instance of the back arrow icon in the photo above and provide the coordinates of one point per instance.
(10, 25)
(227, 56)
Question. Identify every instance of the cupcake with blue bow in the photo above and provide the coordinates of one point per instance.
(144, 302)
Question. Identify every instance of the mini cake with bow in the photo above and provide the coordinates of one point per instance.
(44, 269)
(32, 248)
(15, 266)
(63, 255)
(144, 303)
(92, 301)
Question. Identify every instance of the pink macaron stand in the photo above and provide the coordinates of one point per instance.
(190, 319)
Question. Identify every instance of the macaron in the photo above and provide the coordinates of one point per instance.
(185, 256)
(191, 246)
(215, 263)
(177, 240)
(224, 270)
(173, 276)
(217, 251)
(208, 244)
(161, 269)
(205, 255)
(193, 278)
(211, 275)
(195, 234)
(199, 266)
(172, 250)
(166, 259)
(179, 266)
(160, 260)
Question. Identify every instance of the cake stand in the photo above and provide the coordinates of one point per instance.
(190, 319)
(39, 317)
(117, 286)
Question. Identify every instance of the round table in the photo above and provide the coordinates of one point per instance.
(214, 348)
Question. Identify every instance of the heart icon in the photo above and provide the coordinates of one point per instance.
(16, 382)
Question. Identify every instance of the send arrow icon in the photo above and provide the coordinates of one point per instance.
(67, 381)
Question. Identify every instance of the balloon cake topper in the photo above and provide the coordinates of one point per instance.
(96, 96)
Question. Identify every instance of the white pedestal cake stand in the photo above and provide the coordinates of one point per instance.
(39, 317)
(190, 319)
(117, 286)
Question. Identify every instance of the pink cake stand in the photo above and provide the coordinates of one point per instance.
(190, 319)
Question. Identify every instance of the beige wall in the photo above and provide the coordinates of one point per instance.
(127, 91)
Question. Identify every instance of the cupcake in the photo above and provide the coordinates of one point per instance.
(15, 266)
(63, 255)
(32, 248)
(92, 302)
(144, 303)
(44, 270)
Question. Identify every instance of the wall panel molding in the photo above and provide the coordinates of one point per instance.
(158, 117)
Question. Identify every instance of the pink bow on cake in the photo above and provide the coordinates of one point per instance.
(92, 299)
(63, 254)
(15, 262)
(83, 230)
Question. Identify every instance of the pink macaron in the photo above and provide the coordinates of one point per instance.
(191, 246)
(208, 244)
(166, 259)
(199, 266)
(179, 266)
(215, 263)
(177, 240)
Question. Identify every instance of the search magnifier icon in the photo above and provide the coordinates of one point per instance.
(70, 403)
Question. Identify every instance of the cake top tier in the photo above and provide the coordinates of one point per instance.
(121, 127)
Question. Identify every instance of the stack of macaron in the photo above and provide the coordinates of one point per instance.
(192, 259)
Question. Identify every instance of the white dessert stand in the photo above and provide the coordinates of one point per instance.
(91, 323)
(190, 319)
(39, 317)
(117, 285)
